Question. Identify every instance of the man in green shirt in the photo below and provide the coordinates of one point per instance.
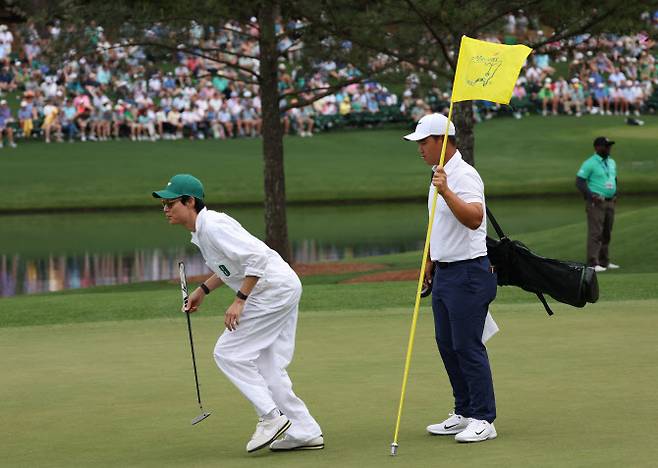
(597, 181)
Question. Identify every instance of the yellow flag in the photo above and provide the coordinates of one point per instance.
(487, 71)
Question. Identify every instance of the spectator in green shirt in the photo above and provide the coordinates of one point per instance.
(597, 181)
(220, 83)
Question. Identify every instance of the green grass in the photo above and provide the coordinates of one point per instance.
(634, 237)
(122, 393)
(530, 156)
(158, 300)
(542, 154)
(103, 376)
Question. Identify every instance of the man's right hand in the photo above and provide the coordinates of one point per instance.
(194, 301)
(429, 271)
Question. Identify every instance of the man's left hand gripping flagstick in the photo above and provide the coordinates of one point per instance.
(484, 71)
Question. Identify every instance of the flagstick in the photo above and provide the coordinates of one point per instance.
(414, 320)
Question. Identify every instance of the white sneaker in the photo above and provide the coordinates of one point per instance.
(453, 425)
(267, 430)
(599, 268)
(290, 443)
(612, 266)
(478, 430)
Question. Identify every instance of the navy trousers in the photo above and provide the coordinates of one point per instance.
(461, 294)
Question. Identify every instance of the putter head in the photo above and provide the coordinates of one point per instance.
(200, 418)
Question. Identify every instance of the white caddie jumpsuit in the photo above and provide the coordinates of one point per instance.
(255, 356)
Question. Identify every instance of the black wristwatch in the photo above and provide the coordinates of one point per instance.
(241, 295)
(204, 288)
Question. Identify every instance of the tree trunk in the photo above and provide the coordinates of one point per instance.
(276, 226)
(463, 120)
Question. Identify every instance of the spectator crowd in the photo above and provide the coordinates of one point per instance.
(118, 92)
(602, 75)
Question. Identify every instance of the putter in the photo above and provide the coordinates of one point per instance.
(183, 287)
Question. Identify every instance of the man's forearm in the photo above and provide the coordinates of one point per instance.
(248, 284)
(581, 185)
(213, 282)
(469, 214)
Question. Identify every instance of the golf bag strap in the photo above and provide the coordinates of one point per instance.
(542, 299)
(499, 230)
(501, 235)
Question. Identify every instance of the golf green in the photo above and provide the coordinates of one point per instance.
(122, 393)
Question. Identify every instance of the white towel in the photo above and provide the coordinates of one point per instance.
(490, 328)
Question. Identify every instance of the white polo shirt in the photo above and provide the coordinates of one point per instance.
(450, 240)
(232, 253)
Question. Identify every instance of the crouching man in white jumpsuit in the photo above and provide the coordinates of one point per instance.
(259, 339)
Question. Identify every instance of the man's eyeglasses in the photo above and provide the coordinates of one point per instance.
(170, 203)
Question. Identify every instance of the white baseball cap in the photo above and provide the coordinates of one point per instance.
(431, 124)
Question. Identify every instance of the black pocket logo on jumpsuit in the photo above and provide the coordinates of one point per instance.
(224, 270)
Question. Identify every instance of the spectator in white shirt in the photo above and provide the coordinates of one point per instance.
(155, 84)
(235, 108)
(190, 120)
(180, 102)
(617, 77)
(215, 101)
(6, 40)
(224, 117)
(160, 120)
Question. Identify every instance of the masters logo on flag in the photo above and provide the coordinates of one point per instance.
(487, 71)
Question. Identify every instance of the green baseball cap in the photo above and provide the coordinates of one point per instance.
(179, 185)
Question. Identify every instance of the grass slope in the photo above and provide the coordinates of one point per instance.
(122, 393)
(634, 240)
(634, 237)
(531, 156)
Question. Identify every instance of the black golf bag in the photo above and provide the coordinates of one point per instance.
(516, 265)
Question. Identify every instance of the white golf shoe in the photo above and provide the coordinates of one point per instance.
(599, 268)
(478, 430)
(453, 425)
(612, 266)
(290, 443)
(267, 430)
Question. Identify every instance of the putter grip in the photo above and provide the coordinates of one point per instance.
(183, 283)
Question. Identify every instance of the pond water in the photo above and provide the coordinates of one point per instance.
(40, 253)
